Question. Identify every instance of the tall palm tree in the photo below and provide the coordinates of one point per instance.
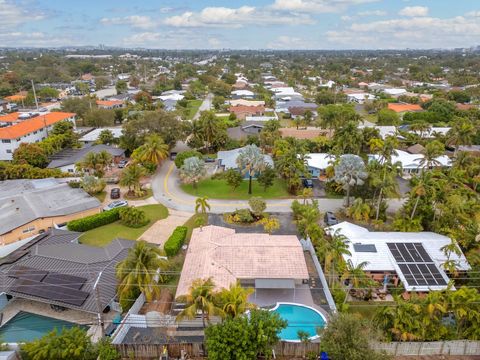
(359, 210)
(462, 133)
(131, 176)
(200, 298)
(250, 161)
(350, 171)
(336, 248)
(355, 273)
(141, 269)
(234, 300)
(433, 150)
(154, 150)
(202, 204)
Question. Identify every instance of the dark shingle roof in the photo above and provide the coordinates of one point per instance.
(72, 156)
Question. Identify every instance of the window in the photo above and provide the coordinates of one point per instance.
(27, 230)
(70, 170)
(9, 151)
(6, 141)
(18, 139)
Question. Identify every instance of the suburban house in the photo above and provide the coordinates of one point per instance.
(260, 261)
(304, 133)
(412, 163)
(242, 94)
(414, 258)
(360, 97)
(243, 102)
(287, 106)
(66, 159)
(241, 111)
(59, 279)
(94, 135)
(395, 92)
(286, 93)
(245, 130)
(317, 163)
(17, 128)
(383, 130)
(110, 104)
(228, 159)
(30, 207)
(17, 98)
(402, 108)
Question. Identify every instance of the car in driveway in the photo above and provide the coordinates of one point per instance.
(122, 164)
(115, 204)
(115, 193)
(307, 183)
(330, 218)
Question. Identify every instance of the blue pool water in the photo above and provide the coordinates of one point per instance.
(26, 326)
(299, 317)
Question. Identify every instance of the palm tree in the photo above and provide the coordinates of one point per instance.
(192, 170)
(141, 269)
(200, 298)
(359, 210)
(306, 194)
(250, 161)
(462, 133)
(433, 150)
(336, 248)
(234, 300)
(202, 204)
(153, 151)
(131, 176)
(350, 171)
(355, 273)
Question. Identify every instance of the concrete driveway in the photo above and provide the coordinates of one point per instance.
(205, 106)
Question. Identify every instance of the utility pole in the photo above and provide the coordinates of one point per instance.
(99, 304)
(34, 94)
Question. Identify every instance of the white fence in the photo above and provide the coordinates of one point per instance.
(456, 347)
(122, 329)
(308, 246)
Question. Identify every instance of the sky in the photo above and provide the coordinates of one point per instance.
(242, 24)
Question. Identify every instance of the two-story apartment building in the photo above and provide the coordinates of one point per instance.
(17, 128)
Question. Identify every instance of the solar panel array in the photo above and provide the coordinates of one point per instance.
(49, 285)
(416, 265)
(366, 248)
(51, 292)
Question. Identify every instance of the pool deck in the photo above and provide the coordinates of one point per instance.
(74, 316)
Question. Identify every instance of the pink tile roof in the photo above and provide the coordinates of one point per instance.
(225, 256)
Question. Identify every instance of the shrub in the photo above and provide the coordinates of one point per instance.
(133, 217)
(174, 243)
(180, 158)
(241, 216)
(258, 206)
(94, 221)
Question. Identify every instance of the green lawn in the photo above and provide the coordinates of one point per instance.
(192, 108)
(218, 189)
(367, 309)
(103, 235)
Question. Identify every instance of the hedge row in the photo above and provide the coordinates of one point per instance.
(94, 221)
(175, 241)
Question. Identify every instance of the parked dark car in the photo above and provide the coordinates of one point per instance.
(330, 218)
(122, 164)
(115, 193)
(308, 183)
(208, 159)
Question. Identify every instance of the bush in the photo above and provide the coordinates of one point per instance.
(133, 217)
(174, 243)
(180, 158)
(243, 216)
(94, 221)
(258, 206)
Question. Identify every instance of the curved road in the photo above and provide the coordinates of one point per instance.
(166, 190)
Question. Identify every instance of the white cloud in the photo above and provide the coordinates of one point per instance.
(33, 39)
(287, 42)
(174, 39)
(415, 32)
(473, 14)
(318, 6)
(372, 13)
(135, 21)
(12, 15)
(234, 18)
(414, 11)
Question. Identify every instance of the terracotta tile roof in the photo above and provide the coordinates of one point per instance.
(27, 126)
(17, 97)
(404, 107)
(304, 133)
(226, 257)
(109, 102)
(12, 117)
(247, 109)
(464, 106)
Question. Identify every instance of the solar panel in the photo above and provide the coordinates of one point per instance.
(416, 265)
(24, 272)
(69, 281)
(50, 292)
(368, 248)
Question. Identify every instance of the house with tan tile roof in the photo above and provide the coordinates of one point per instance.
(403, 108)
(256, 260)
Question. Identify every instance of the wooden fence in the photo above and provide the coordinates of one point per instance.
(454, 347)
(155, 351)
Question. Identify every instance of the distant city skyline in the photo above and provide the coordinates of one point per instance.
(242, 24)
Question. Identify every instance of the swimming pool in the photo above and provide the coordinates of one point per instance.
(299, 317)
(26, 326)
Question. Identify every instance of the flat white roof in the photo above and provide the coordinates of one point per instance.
(94, 134)
(320, 160)
(412, 161)
(382, 260)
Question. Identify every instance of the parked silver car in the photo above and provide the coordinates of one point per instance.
(116, 204)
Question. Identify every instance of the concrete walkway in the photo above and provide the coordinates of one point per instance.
(204, 106)
(167, 191)
(159, 232)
